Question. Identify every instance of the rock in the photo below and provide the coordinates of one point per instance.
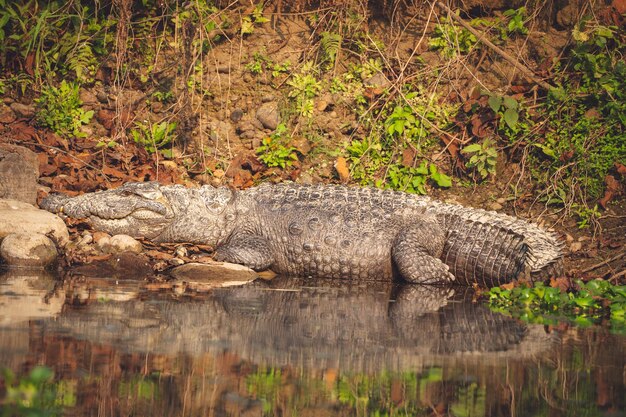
(218, 274)
(26, 111)
(89, 99)
(236, 115)
(377, 80)
(268, 115)
(19, 217)
(495, 206)
(19, 171)
(119, 244)
(28, 250)
(575, 247)
(6, 114)
(501, 200)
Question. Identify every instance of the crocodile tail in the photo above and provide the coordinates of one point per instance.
(482, 253)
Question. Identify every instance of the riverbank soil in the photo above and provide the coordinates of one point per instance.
(515, 106)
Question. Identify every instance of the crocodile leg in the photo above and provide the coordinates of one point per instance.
(416, 253)
(249, 250)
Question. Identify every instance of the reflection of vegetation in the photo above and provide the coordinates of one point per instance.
(594, 302)
(36, 394)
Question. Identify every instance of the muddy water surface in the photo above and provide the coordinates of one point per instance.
(297, 348)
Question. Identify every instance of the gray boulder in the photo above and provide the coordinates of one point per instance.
(23, 218)
(28, 250)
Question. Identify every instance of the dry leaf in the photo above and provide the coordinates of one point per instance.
(341, 166)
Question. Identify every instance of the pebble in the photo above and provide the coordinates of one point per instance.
(119, 243)
(496, 206)
(575, 247)
(28, 250)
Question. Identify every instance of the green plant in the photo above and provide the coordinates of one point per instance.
(516, 21)
(304, 88)
(274, 153)
(451, 40)
(331, 45)
(154, 136)
(484, 157)
(33, 395)
(507, 107)
(586, 215)
(414, 179)
(60, 109)
(248, 22)
(590, 303)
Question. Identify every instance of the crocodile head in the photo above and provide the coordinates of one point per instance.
(148, 210)
(136, 209)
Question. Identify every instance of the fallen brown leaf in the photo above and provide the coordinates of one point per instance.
(341, 166)
(612, 188)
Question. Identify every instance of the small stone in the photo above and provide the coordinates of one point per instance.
(268, 115)
(99, 235)
(28, 250)
(223, 69)
(575, 247)
(124, 243)
(88, 98)
(496, 206)
(180, 252)
(218, 274)
(26, 111)
(236, 115)
(85, 240)
(501, 200)
(569, 238)
(6, 114)
(377, 80)
(176, 262)
(102, 96)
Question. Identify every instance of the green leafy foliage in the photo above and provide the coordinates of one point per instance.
(248, 23)
(592, 303)
(304, 88)
(584, 131)
(274, 152)
(484, 157)
(35, 394)
(60, 109)
(331, 45)
(414, 179)
(516, 23)
(451, 40)
(154, 136)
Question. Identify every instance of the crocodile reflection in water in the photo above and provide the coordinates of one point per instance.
(326, 323)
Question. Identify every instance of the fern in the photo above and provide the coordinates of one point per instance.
(82, 61)
(331, 44)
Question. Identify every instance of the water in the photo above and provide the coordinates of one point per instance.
(298, 348)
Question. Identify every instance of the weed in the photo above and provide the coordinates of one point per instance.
(274, 153)
(60, 109)
(593, 302)
(516, 21)
(304, 88)
(414, 179)
(484, 157)
(451, 40)
(155, 136)
(34, 395)
(331, 45)
(255, 18)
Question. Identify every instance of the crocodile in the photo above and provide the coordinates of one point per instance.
(328, 231)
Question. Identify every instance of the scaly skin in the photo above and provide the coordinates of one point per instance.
(327, 231)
